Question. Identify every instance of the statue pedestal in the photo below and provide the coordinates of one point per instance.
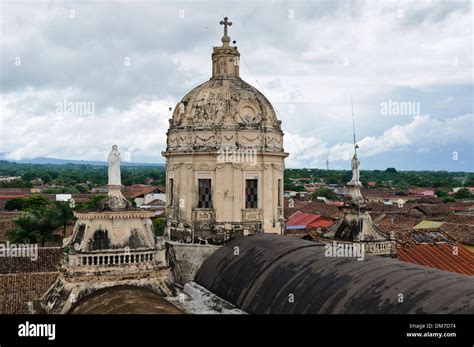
(354, 192)
(116, 200)
(108, 249)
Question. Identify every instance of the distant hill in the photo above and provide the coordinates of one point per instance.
(54, 161)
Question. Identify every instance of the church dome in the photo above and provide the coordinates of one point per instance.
(225, 111)
(224, 158)
(225, 102)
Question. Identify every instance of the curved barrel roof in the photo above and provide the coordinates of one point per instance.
(274, 274)
(124, 300)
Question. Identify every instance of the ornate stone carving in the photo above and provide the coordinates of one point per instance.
(251, 215)
(204, 215)
(204, 166)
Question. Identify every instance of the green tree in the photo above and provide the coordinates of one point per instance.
(93, 204)
(46, 223)
(64, 214)
(36, 201)
(159, 226)
(448, 198)
(28, 176)
(463, 193)
(16, 184)
(441, 194)
(26, 230)
(14, 204)
(324, 192)
(46, 178)
(22, 204)
(81, 189)
(401, 193)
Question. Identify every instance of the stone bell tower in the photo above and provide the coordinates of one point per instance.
(224, 158)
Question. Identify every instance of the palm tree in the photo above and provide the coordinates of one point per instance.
(64, 214)
(47, 222)
(26, 230)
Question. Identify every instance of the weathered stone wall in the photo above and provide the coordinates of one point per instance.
(112, 231)
(186, 259)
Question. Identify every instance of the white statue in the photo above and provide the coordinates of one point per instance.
(114, 167)
(355, 169)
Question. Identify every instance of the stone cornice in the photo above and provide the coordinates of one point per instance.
(114, 215)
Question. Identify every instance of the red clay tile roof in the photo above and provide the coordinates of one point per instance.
(420, 190)
(319, 207)
(14, 191)
(439, 256)
(379, 192)
(460, 219)
(428, 200)
(16, 290)
(138, 190)
(380, 207)
(156, 202)
(431, 209)
(461, 206)
(49, 260)
(461, 232)
(315, 207)
(397, 222)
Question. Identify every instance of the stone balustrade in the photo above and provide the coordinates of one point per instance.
(112, 259)
(383, 247)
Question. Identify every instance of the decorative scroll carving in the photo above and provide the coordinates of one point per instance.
(199, 140)
(204, 215)
(249, 139)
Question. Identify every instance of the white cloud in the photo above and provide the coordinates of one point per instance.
(329, 52)
(421, 133)
(140, 129)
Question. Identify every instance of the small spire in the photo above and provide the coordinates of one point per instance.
(225, 39)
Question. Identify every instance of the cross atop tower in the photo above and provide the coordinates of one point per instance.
(225, 23)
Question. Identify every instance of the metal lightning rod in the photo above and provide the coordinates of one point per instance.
(353, 127)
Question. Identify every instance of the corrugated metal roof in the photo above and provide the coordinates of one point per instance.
(439, 256)
(427, 224)
(320, 223)
(302, 219)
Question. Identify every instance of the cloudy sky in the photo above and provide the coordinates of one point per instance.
(408, 65)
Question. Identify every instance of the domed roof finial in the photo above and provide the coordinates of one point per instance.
(225, 38)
